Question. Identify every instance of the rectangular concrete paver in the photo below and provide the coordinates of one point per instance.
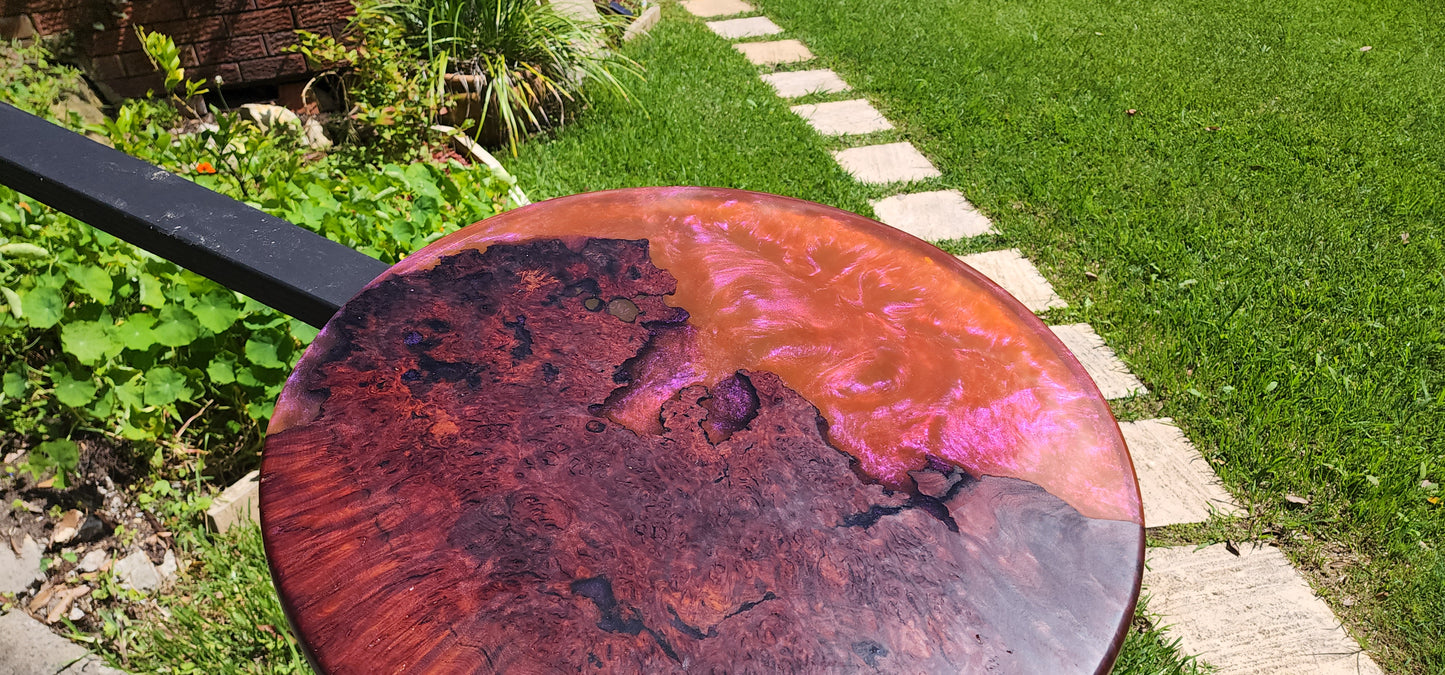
(711, 8)
(774, 53)
(933, 216)
(753, 26)
(803, 82)
(1250, 614)
(838, 118)
(1011, 270)
(1177, 484)
(1112, 376)
(237, 504)
(887, 163)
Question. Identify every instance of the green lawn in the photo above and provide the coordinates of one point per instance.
(1265, 232)
(1265, 227)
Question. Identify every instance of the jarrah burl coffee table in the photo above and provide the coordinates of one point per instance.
(683, 429)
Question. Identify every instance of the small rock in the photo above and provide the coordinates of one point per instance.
(135, 571)
(1296, 500)
(266, 116)
(91, 528)
(93, 560)
(1366, 48)
(66, 529)
(1091, 276)
(1347, 601)
(315, 136)
(76, 614)
(168, 567)
(19, 570)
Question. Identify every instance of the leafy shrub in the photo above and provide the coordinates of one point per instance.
(391, 96)
(97, 336)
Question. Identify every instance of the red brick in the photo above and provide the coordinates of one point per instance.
(316, 14)
(137, 63)
(272, 68)
(214, 7)
(107, 67)
(59, 21)
(268, 4)
(262, 21)
(147, 12)
(198, 29)
(9, 7)
(230, 73)
(276, 43)
(231, 49)
(113, 41)
(136, 86)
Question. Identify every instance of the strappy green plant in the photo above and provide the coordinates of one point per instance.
(528, 63)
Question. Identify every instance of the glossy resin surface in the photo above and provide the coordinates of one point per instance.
(679, 429)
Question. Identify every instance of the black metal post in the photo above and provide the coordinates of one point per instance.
(284, 266)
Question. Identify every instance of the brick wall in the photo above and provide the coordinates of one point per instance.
(240, 40)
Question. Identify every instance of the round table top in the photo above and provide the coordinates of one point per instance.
(673, 429)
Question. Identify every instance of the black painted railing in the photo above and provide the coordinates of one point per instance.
(275, 262)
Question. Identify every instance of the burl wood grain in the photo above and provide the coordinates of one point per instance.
(456, 496)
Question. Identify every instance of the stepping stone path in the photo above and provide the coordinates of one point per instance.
(1244, 614)
(887, 163)
(753, 26)
(711, 8)
(933, 216)
(1177, 484)
(1112, 376)
(803, 82)
(774, 53)
(839, 118)
(1249, 613)
(1011, 270)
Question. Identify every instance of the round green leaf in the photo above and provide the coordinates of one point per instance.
(74, 393)
(177, 327)
(222, 369)
(165, 386)
(92, 280)
(43, 306)
(216, 312)
(88, 341)
(136, 333)
(262, 351)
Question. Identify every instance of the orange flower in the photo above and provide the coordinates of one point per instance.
(205, 167)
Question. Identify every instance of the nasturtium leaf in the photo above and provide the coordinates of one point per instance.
(92, 280)
(246, 377)
(130, 393)
(263, 351)
(12, 300)
(43, 306)
(177, 327)
(136, 332)
(72, 392)
(165, 386)
(303, 332)
(222, 369)
(61, 454)
(15, 385)
(216, 311)
(152, 294)
(88, 341)
(261, 410)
